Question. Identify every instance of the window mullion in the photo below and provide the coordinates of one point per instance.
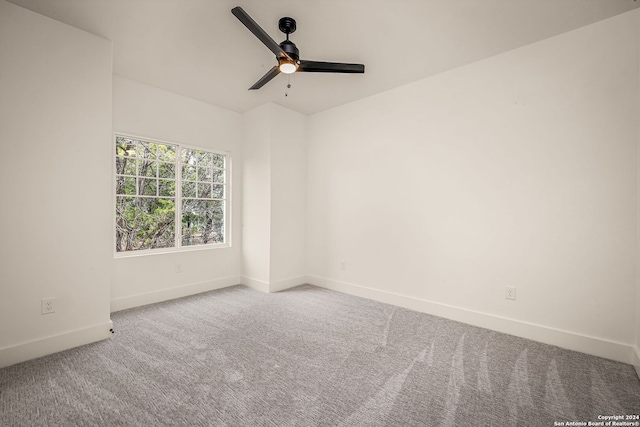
(178, 196)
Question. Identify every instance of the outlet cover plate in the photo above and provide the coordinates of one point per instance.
(510, 292)
(48, 306)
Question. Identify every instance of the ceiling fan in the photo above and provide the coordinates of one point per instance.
(287, 53)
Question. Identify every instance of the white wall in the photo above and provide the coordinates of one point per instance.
(55, 128)
(274, 198)
(637, 346)
(288, 197)
(256, 197)
(142, 110)
(518, 170)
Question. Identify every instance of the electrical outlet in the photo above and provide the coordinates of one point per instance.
(510, 292)
(48, 306)
(343, 265)
(178, 268)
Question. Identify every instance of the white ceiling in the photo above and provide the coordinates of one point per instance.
(199, 49)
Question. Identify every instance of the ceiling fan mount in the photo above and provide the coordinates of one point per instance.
(287, 25)
(287, 54)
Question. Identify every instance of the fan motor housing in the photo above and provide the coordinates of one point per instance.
(290, 49)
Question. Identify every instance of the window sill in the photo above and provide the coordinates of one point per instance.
(164, 251)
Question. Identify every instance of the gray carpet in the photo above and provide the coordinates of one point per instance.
(309, 357)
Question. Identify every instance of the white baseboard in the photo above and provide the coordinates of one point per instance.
(270, 287)
(258, 285)
(636, 359)
(53, 344)
(585, 344)
(138, 300)
(289, 283)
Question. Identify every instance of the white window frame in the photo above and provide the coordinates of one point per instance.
(178, 199)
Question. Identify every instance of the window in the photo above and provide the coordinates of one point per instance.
(168, 196)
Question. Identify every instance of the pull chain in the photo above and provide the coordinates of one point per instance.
(286, 92)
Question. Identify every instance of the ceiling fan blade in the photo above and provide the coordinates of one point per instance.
(266, 78)
(329, 67)
(257, 31)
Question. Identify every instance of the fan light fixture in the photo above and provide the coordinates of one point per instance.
(288, 67)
